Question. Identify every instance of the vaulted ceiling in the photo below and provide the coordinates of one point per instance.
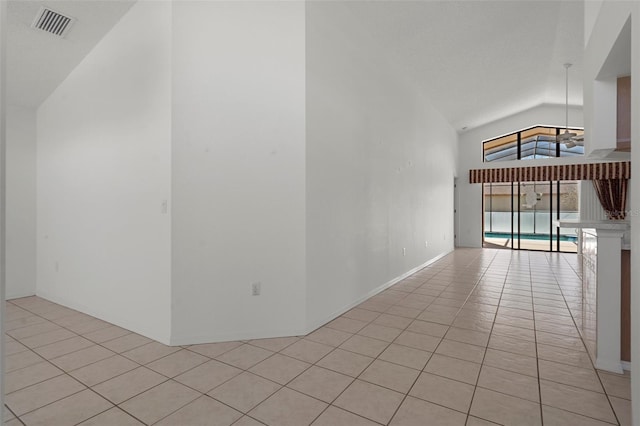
(476, 60)
(37, 61)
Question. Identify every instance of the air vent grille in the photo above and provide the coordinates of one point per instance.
(52, 22)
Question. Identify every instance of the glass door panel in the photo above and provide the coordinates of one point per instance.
(520, 215)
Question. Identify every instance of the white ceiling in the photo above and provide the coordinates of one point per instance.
(37, 62)
(477, 60)
(481, 60)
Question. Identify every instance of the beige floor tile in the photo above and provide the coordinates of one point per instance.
(403, 311)
(208, 375)
(334, 416)
(453, 368)
(12, 347)
(63, 347)
(348, 325)
(84, 327)
(564, 330)
(404, 355)
(511, 362)
(21, 360)
(437, 317)
(418, 341)
(150, 352)
(307, 350)
(555, 417)
(244, 391)
(618, 385)
(380, 332)
(41, 394)
(23, 322)
(472, 337)
(393, 321)
(288, 408)
(129, 384)
(576, 400)
(31, 375)
(440, 390)
(622, 408)
(518, 313)
(213, 350)
(572, 343)
(177, 363)
(475, 421)
(33, 330)
(245, 356)
(461, 350)
(321, 383)
(112, 417)
(564, 356)
(78, 359)
(515, 321)
(47, 338)
(371, 401)
(160, 401)
(329, 336)
(510, 383)
(280, 368)
(247, 421)
(105, 334)
(416, 412)
(585, 378)
(364, 345)
(361, 314)
(509, 344)
(126, 342)
(204, 411)
(275, 344)
(514, 332)
(430, 328)
(68, 411)
(504, 409)
(388, 375)
(345, 362)
(103, 370)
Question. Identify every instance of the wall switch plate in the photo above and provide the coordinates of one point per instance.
(256, 288)
(404, 251)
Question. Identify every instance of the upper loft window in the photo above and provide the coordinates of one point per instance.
(531, 144)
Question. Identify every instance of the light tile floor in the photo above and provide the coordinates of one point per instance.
(480, 337)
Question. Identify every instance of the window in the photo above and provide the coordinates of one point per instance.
(530, 144)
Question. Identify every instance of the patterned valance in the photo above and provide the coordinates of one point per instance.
(592, 171)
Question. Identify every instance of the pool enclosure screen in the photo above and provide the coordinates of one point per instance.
(520, 215)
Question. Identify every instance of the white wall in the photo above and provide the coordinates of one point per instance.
(21, 202)
(103, 175)
(470, 157)
(610, 21)
(380, 168)
(238, 169)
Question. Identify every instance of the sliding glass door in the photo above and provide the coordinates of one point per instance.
(521, 215)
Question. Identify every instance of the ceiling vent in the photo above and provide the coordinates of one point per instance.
(52, 22)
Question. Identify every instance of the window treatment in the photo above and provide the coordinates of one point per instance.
(612, 194)
(590, 171)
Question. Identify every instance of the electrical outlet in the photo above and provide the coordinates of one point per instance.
(256, 288)
(404, 251)
(426, 243)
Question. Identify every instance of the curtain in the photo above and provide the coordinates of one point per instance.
(612, 194)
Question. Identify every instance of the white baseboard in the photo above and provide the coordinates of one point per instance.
(190, 340)
(610, 365)
(626, 365)
(19, 295)
(335, 314)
